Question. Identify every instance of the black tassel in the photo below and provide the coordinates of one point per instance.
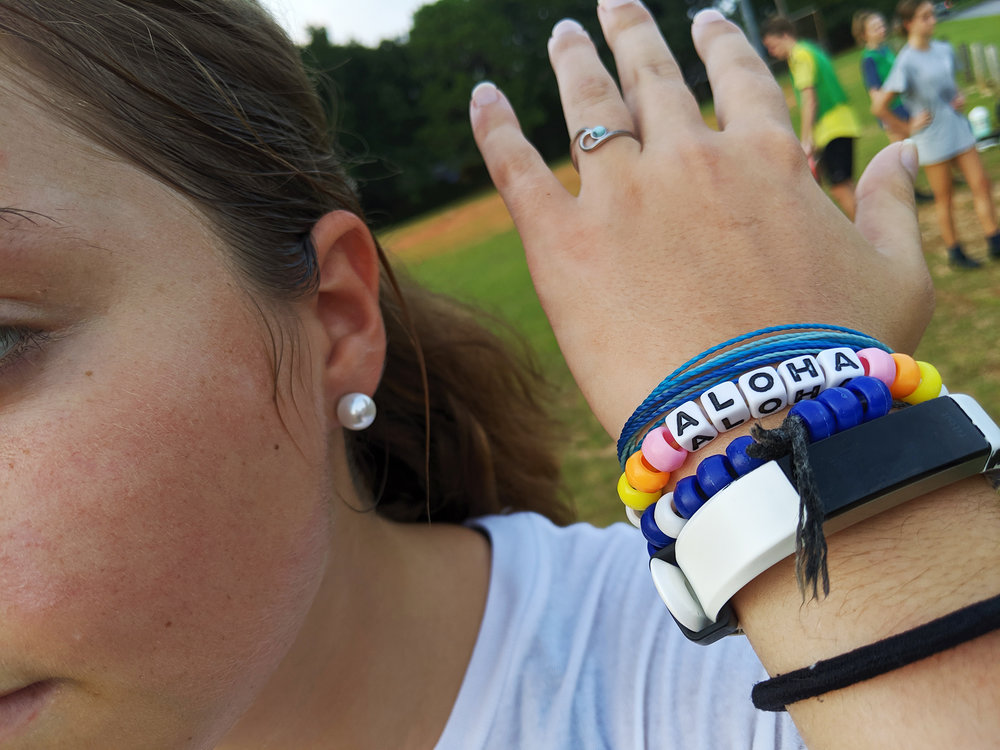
(792, 437)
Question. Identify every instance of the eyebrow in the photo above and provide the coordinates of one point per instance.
(16, 218)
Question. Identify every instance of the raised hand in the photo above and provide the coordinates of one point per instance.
(683, 236)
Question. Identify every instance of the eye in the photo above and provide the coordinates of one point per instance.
(16, 342)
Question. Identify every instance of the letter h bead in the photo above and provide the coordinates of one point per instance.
(803, 378)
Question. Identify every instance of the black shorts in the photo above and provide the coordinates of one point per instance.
(837, 160)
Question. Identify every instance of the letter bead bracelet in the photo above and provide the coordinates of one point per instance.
(840, 456)
(758, 393)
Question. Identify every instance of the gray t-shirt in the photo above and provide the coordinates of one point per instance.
(926, 81)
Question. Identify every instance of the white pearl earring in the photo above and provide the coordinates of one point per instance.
(356, 411)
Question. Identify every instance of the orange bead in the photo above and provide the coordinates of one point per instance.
(644, 477)
(907, 376)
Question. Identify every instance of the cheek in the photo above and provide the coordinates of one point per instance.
(161, 535)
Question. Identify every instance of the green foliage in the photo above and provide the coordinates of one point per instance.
(402, 108)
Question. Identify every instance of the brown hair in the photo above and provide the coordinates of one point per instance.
(777, 26)
(906, 10)
(211, 97)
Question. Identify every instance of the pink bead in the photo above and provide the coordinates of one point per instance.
(878, 364)
(659, 453)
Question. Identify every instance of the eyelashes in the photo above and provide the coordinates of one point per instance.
(16, 342)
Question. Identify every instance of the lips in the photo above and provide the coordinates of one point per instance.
(20, 706)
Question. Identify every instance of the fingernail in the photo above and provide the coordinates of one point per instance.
(614, 3)
(484, 93)
(708, 15)
(567, 26)
(908, 157)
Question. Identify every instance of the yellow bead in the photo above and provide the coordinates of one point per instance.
(930, 384)
(633, 498)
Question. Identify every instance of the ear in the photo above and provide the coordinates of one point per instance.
(347, 307)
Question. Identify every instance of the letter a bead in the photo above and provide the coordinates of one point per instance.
(764, 391)
(724, 406)
(839, 365)
(690, 427)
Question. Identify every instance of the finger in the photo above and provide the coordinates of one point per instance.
(516, 168)
(589, 95)
(886, 212)
(743, 89)
(886, 216)
(652, 82)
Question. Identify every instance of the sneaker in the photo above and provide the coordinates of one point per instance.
(958, 259)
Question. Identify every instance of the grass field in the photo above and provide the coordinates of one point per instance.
(471, 251)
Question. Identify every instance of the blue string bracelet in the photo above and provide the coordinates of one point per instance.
(777, 342)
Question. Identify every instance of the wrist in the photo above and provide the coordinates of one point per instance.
(918, 561)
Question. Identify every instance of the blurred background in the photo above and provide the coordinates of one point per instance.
(400, 106)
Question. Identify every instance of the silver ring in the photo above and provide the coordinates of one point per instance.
(590, 138)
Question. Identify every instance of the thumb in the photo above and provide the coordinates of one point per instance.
(886, 212)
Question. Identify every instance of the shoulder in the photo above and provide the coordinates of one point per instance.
(800, 52)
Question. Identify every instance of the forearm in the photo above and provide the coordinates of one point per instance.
(880, 108)
(905, 567)
(807, 117)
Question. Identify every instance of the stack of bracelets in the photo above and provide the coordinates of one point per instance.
(778, 492)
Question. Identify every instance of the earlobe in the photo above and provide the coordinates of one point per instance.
(347, 306)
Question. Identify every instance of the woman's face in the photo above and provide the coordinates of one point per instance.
(162, 529)
(923, 22)
(875, 30)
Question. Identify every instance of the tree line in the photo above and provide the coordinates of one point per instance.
(400, 109)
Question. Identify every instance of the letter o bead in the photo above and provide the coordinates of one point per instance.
(764, 391)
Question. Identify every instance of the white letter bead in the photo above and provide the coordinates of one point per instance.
(764, 391)
(724, 406)
(690, 427)
(803, 378)
(839, 365)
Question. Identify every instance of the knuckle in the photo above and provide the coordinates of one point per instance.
(658, 69)
(513, 169)
(780, 148)
(593, 90)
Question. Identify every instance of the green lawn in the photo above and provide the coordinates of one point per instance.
(961, 340)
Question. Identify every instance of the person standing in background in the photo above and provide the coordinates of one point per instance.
(828, 126)
(923, 74)
(869, 30)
